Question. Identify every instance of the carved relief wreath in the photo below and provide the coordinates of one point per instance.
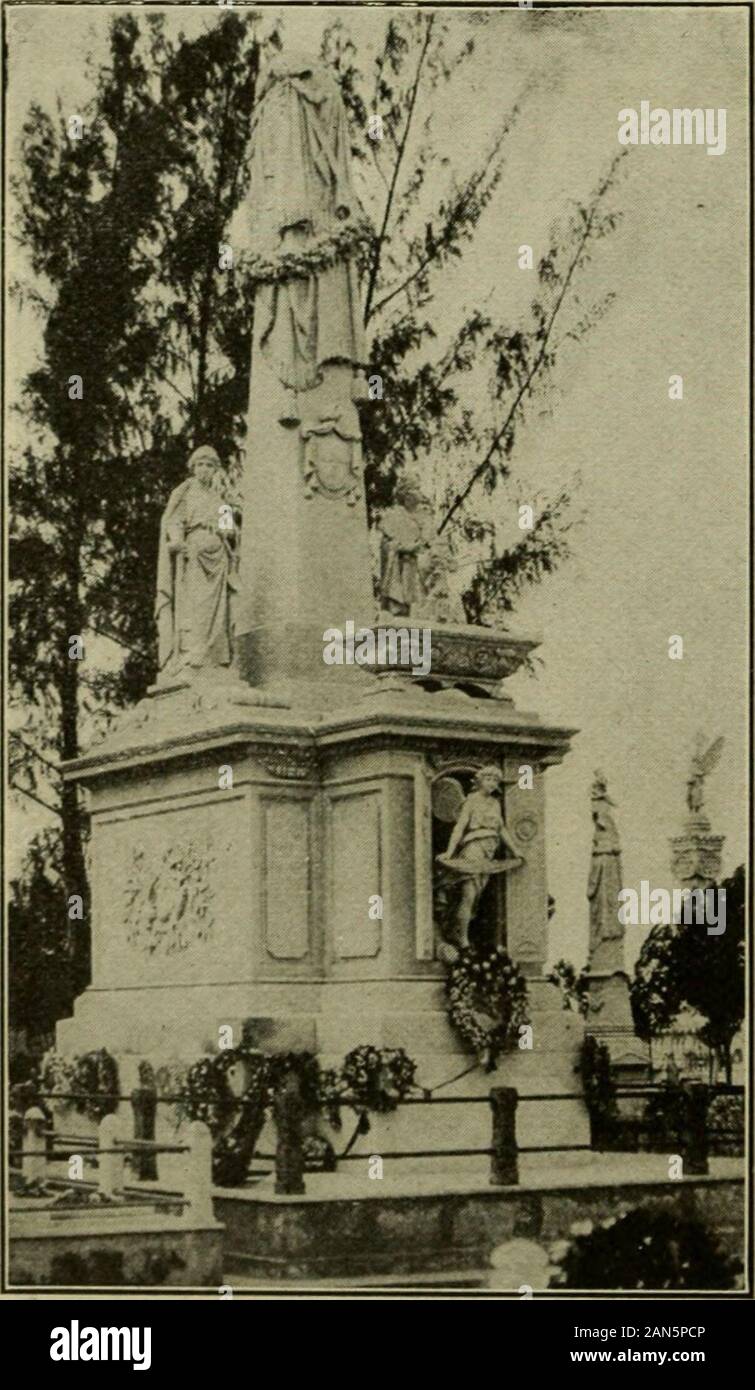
(168, 902)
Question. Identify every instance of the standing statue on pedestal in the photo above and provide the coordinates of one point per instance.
(196, 572)
(303, 226)
(702, 763)
(478, 833)
(414, 563)
(605, 882)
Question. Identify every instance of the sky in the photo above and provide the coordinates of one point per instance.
(662, 546)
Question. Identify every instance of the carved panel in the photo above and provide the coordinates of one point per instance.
(295, 764)
(355, 872)
(168, 897)
(286, 877)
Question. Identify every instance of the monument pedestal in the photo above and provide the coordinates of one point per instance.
(609, 1020)
(271, 868)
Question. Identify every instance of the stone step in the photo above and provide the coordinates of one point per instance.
(430, 1031)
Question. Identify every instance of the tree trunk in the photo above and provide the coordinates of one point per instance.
(74, 862)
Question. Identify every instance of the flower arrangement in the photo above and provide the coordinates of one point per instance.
(486, 997)
(574, 987)
(645, 1248)
(92, 1077)
(370, 1078)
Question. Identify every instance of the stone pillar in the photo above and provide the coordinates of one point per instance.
(144, 1105)
(526, 887)
(305, 562)
(693, 1140)
(34, 1164)
(504, 1163)
(112, 1161)
(197, 1175)
(288, 1112)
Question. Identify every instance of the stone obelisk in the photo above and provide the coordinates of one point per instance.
(305, 562)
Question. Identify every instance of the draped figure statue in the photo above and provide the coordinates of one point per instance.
(604, 884)
(196, 572)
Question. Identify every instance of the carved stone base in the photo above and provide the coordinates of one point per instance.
(696, 854)
(609, 1020)
(246, 856)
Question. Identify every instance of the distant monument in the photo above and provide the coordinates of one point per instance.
(606, 952)
(696, 852)
(610, 1015)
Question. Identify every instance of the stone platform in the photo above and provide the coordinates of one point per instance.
(350, 1226)
(237, 845)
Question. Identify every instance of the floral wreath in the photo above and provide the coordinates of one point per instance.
(487, 1001)
(235, 1123)
(320, 255)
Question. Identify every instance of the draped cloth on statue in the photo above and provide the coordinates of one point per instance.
(604, 885)
(192, 607)
(301, 201)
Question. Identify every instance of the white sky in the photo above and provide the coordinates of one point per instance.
(663, 548)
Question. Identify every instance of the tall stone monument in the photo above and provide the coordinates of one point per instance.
(610, 1015)
(696, 852)
(265, 838)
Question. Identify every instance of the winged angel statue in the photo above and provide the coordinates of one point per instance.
(703, 762)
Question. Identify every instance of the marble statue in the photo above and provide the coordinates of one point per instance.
(196, 571)
(703, 761)
(478, 833)
(415, 564)
(606, 952)
(306, 222)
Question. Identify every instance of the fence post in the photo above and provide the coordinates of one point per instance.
(504, 1165)
(15, 1126)
(144, 1106)
(198, 1174)
(694, 1135)
(289, 1151)
(110, 1166)
(34, 1164)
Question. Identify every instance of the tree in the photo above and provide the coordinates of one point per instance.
(121, 228)
(682, 966)
(422, 422)
(40, 984)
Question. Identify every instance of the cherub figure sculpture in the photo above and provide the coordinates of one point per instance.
(472, 848)
(703, 761)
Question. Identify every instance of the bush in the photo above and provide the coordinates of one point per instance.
(594, 1066)
(647, 1248)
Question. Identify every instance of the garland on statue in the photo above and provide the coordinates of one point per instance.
(486, 997)
(311, 260)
